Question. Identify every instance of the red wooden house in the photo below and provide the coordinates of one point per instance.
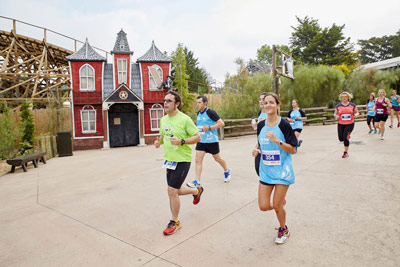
(118, 103)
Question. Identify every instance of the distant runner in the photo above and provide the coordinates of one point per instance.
(296, 116)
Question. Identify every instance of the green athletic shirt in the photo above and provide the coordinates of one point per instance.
(180, 126)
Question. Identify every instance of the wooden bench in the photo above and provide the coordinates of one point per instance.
(24, 160)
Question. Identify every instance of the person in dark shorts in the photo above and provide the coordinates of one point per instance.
(381, 107)
(177, 133)
(296, 116)
(276, 142)
(345, 112)
(371, 113)
(395, 98)
(208, 122)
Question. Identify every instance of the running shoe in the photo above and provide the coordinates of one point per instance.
(300, 141)
(283, 235)
(172, 227)
(370, 131)
(193, 184)
(390, 126)
(345, 155)
(398, 124)
(375, 131)
(382, 138)
(196, 198)
(227, 175)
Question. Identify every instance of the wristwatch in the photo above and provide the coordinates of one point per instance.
(280, 142)
(182, 142)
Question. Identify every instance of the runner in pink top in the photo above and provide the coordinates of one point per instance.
(381, 115)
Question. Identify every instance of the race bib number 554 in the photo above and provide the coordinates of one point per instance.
(271, 157)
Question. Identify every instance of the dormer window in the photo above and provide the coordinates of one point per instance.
(86, 78)
(155, 77)
(122, 65)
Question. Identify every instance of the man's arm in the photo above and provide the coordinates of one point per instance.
(188, 140)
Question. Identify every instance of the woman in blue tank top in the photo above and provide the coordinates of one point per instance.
(276, 143)
(371, 112)
(395, 108)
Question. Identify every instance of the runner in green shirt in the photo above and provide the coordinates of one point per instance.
(177, 132)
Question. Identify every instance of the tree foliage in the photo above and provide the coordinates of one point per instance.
(312, 44)
(9, 134)
(264, 60)
(379, 48)
(198, 77)
(181, 77)
(27, 130)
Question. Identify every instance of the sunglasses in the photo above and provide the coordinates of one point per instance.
(168, 100)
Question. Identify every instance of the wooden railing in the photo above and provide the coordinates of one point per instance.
(315, 116)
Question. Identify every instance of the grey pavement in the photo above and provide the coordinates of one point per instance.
(109, 208)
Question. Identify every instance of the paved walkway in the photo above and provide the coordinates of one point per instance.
(108, 208)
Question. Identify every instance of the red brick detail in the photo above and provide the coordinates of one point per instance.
(128, 74)
(149, 140)
(85, 144)
(78, 121)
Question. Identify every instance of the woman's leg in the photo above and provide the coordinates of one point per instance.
(279, 197)
(264, 196)
(391, 117)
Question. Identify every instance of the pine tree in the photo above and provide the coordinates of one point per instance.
(27, 130)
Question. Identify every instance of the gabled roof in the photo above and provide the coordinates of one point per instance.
(121, 44)
(154, 55)
(86, 53)
(123, 94)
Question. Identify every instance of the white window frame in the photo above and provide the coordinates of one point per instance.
(86, 76)
(88, 109)
(156, 108)
(152, 82)
(122, 72)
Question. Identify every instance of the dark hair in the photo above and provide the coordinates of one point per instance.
(297, 101)
(203, 98)
(277, 100)
(263, 94)
(177, 97)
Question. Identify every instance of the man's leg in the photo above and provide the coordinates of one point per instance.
(222, 162)
(199, 163)
(174, 202)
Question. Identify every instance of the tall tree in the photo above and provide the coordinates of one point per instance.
(312, 44)
(263, 62)
(379, 48)
(197, 75)
(181, 77)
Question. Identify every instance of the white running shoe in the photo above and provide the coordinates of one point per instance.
(382, 138)
(227, 175)
(193, 184)
(283, 236)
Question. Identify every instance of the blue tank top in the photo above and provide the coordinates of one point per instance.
(370, 107)
(204, 119)
(296, 124)
(395, 101)
(276, 164)
(262, 115)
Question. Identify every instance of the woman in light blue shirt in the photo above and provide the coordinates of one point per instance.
(371, 113)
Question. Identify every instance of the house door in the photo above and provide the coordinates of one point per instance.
(123, 125)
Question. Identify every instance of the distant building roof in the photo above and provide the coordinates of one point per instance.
(86, 53)
(121, 44)
(384, 64)
(154, 55)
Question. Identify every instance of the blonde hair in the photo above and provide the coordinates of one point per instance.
(350, 96)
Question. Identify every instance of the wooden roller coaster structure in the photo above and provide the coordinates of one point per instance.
(33, 70)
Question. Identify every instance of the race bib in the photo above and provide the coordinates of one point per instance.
(370, 109)
(170, 165)
(346, 117)
(379, 111)
(201, 130)
(271, 157)
(292, 123)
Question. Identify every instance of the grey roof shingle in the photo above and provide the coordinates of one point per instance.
(86, 53)
(136, 81)
(108, 80)
(121, 44)
(154, 55)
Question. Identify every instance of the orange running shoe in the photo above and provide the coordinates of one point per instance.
(196, 198)
(172, 227)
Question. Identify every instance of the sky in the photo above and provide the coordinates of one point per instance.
(217, 31)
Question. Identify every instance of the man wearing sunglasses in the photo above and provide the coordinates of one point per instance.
(177, 133)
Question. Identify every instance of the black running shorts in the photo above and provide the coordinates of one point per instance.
(175, 178)
(212, 148)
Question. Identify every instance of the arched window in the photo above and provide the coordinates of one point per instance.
(156, 113)
(88, 119)
(86, 78)
(155, 77)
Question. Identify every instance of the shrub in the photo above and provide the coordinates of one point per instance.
(9, 134)
(27, 130)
